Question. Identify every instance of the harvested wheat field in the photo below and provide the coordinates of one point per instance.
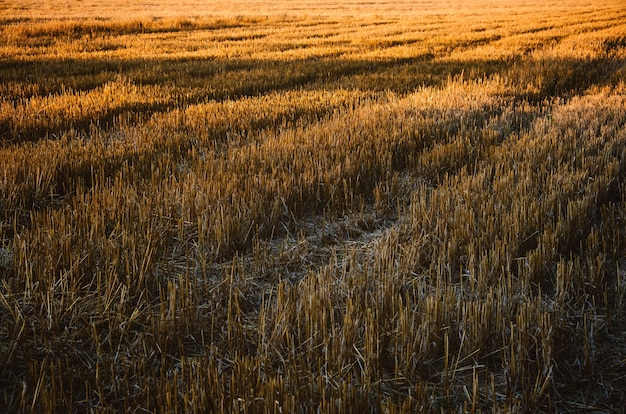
(313, 207)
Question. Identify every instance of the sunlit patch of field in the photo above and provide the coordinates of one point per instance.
(312, 207)
(308, 8)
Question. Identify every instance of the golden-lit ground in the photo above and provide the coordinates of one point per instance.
(197, 8)
(312, 207)
(202, 8)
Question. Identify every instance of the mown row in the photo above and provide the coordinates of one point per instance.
(401, 227)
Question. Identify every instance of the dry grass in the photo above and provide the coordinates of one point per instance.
(295, 207)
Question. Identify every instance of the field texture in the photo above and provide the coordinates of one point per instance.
(337, 207)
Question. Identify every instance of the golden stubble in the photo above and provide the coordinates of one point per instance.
(331, 208)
